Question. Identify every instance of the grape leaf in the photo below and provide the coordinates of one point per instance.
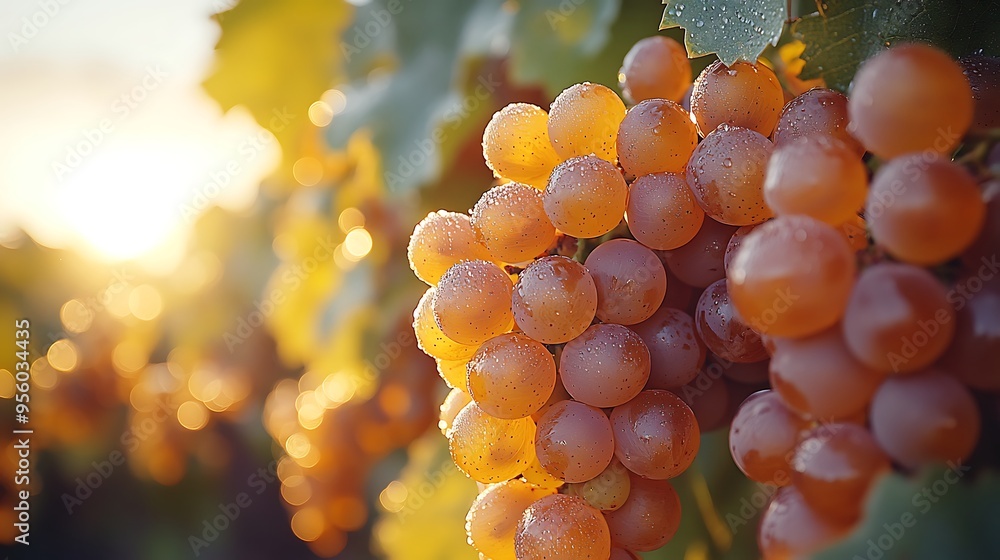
(847, 32)
(734, 29)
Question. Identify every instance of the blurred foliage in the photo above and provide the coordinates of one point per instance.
(735, 29)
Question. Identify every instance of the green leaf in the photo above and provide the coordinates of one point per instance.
(735, 29)
(847, 32)
(941, 514)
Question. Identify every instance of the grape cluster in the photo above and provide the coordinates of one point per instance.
(586, 356)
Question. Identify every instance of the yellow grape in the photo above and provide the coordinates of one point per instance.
(726, 175)
(819, 111)
(656, 136)
(606, 491)
(655, 67)
(441, 240)
(511, 376)
(454, 373)
(584, 120)
(490, 449)
(492, 520)
(452, 405)
(745, 94)
(554, 300)
(561, 527)
(510, 220)
(585, 197)
(472, 302)
(431, 340)
(662, 212)
(516, 145)
(574, 442)
(536, 474)
(910, 98)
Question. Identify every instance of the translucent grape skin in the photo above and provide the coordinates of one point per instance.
(492, 520)
(676, 353)
(584, 119)
(974, 353)
(792, 277)
(516, 145)
(608, 490)
(561, 527)
(452, 405)
(701, 261)
(661, 212)
(763, 437)
(430, 339)
(744, 94)
(818, 377)
(510, 221)
(834, 467)
(819, 111)
(649, 518)
(723, 331)
(910, 98)
(735, 242)
(454, 373)
(655, 67)
(511, 376)
(471, 304)
(554, 300)
(656, 435)
(536, 474)
(575, 442)
(898, 319)
(818, 176)
(630, 279)
(490, 449)
(924, 210)
(656, 136)
(605, 366)
(790, 529)
(726, 175)
(441, 240)
(585, 197)
(925, 418)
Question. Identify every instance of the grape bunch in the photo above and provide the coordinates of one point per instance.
(586, 354)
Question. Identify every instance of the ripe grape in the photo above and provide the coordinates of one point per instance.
(974, 354)
(510, 220)
(661, 212)
(792, 277)
(554, 300)
(898, 318)
(750, 374)
(454, 373)
(490, 449)
(676, 354)
(722, 330)
(584, 120)
(630, 281)
(735, 242)
(536, 474)
(452, 405)
(575, 442)
(516, 145)
(924, 418)
(430, 339)
(656, 434)
(708, 398)
(855, 231)
(605, 366)
(492, 520)
(818, 377)
(511, 376)
(819, 111)
(791, 529)
(763, 437)
(726, 175)
(585, 197)
(623, 554)
(561, 527)
(744, 94)
(910, 98)
(701, 262)
(441, 240)
(656, 136)
(834, 466)
(924, 210)
(607, 491)
(655, 67)
(818, 176)
(650, 516)
(472, 302)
